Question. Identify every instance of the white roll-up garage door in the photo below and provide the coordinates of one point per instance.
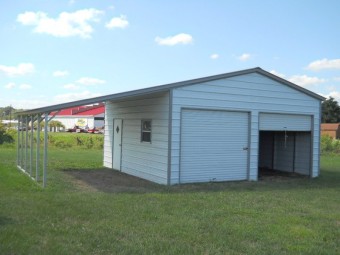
(282, 122)
(214, 146)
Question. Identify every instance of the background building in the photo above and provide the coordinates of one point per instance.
(82, 116)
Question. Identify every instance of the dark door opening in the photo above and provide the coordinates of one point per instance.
(284, 153)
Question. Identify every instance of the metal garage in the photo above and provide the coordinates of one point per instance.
(216, 128)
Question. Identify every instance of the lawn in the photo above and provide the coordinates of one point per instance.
(283, 216)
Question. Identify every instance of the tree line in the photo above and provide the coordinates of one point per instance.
(330, 111)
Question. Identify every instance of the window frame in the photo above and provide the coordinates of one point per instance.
(143, 131)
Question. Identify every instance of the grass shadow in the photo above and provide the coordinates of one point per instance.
(6, 221)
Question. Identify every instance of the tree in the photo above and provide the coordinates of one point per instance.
(9, 112)
(330, 111)
(4, 136)
(53, 124)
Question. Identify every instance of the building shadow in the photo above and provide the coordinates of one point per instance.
(112, 181)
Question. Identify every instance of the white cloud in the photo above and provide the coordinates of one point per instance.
(176, 39)
(331, 88)
(25, 86)
(30, 18)
(277, 73)
(336, 79)
(301, 80)
(71, 86)
(60, 73)
(324, 64)
(22, 86)
(90, 81)
(68, 97)
(304, 80)
(66, 24)
(214, 56)
(28, 103)
(10, 85)
(334, 94)
(20, 69)
(244, 57)
(117, 22)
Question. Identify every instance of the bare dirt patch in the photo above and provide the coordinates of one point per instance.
(270, 174)
(108, 180)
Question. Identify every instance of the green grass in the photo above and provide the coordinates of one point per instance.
(294, 216)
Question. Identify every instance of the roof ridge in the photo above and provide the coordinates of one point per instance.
(171, 86)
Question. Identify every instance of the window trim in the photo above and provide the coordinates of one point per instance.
(145, 131)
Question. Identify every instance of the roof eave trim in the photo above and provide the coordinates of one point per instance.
(168, 87)
(290, 84)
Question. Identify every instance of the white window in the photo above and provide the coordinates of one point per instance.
(146, 131)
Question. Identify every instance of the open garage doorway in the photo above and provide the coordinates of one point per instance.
(284, 153)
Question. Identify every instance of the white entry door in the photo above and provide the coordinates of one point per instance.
(117, 143)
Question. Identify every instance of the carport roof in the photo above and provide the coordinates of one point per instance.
(167, 87)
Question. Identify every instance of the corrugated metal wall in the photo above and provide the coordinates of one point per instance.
(281, 122)
(146, 160)
(213, 146)
(266, 150)
(252, 92)
(302, 153)
(285, 151)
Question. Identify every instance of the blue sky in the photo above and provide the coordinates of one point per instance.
(58, 51)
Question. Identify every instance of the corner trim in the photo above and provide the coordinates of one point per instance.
(169, 137)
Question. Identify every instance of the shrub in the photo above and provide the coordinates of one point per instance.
(88, 142)
(59, 139)
(329, 145)
(326, 143)
(336, 146)
(5, 137)
(62, 144)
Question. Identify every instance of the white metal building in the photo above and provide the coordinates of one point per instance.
(219, 128)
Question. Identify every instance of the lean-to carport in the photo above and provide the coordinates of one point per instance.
(25, 149)
(29, 143)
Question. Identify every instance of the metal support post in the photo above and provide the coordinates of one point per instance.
(31, 151)
(26, 144)
(38, 150)
(22, 142)
(45, 149)
(18, 142)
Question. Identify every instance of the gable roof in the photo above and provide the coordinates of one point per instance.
(168, 87)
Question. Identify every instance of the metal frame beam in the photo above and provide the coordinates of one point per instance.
(26, 143)
(18, 143)
(22, 141)
(38, 149)
(31, 147)
(26, 139)
(45, 150)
